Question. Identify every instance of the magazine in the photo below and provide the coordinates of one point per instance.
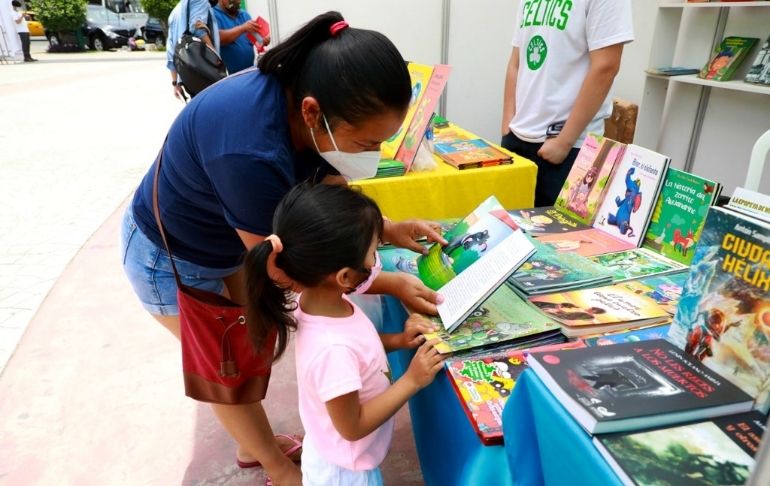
(633, 386)
(679, 215)
(635, 263)
(714, 452)
(723, 318)
(546, 220)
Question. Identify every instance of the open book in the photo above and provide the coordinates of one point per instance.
(483, 249)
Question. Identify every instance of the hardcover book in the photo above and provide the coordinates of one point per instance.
(760, 68)
(723, 318)
(602, 309)
(464, 154)
(727, 57)
(633, 386)
(635, 263)
(587, 181)
(546, 220)
(420, 75)
(679, 215)
(714, 452)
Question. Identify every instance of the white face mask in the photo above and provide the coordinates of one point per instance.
(351, 166)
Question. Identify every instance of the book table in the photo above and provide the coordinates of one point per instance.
(447, 192)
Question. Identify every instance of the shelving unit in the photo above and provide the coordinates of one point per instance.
(705, 126)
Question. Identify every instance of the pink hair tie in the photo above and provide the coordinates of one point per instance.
(338, 26)
(276, 242)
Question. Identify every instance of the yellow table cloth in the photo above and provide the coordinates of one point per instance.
(447, 192)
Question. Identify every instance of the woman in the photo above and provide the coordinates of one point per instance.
(237, 149)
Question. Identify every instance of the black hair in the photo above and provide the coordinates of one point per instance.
(16, 3)
(323, 229)
(353, 75)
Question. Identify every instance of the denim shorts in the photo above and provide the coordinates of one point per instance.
(148, 268)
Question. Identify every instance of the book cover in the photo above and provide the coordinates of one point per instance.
(633, 386)
(545, 221)
(504, 317)
(419, 75)
(484, 381)
(727, 57)
(723, 318)
(586, 243)
(632, 336)
(635, 263)
(483, 249)
(600, 309)
(423, 113)
(587, 181)
(549, 270)
(760, 68)
(750, 203)
(632, 193)
(665, 290)
(471, 152)
(679, 215)
(714, 452)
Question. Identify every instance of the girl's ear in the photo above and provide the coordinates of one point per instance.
(346, 278)
(311, 113)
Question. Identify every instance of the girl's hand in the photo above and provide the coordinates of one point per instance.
(427, 361)
(414, 328)
(415, 295)
(406, 233)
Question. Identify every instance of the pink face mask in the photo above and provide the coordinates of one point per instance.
(373, 273)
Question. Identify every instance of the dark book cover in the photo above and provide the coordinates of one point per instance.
(636, 385)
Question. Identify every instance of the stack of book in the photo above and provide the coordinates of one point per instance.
(462, 153)
(390, 168)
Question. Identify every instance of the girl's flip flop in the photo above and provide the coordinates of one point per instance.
(295, 447)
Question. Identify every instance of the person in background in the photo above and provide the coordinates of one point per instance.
(234, 27)
(202, 21)
(22, 30)
(564, 61)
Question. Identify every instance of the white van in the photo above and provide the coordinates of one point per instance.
(130, 11)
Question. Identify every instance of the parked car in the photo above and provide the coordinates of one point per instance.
(103, 30)
(35, 27)
(153, 32)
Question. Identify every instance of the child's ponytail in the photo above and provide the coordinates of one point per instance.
(269, 309)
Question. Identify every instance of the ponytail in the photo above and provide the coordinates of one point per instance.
(269, 308)
(354, 74)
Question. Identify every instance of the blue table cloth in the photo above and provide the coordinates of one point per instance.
(544, 445)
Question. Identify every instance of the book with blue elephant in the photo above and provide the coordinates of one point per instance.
(626, 209)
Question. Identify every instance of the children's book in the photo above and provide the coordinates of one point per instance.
(635, 263)
(424, 108)
(723, 318)
(602, 309)
(727, 57)
(484, 381)
(420, 75)
(465, 154)
(714, 452)
(634, 386)
(483, 249)
(750, 203)
(679, 215)
(503, 318)
(549, 271)
(760, 68)
(545, 221)
(631, 196)
(587, 181)
(665, 290)
(633, 336)
(389, 168)
(586, 243)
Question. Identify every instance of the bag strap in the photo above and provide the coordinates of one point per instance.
(187, 20)
(156, 211)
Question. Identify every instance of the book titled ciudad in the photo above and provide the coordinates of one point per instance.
(637, 385)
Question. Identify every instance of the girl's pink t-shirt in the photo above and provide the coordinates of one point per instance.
(337, 356)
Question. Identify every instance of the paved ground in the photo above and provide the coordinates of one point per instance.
(92, 393)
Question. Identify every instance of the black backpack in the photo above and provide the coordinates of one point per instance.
(197, 64)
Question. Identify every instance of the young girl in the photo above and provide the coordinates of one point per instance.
(325, 246)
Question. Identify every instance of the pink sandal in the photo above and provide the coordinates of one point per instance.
(296, 446)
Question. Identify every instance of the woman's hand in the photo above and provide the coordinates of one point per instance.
(406, 233)
(415, 295)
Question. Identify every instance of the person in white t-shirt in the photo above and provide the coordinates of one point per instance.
(22, 30)
(565, 56)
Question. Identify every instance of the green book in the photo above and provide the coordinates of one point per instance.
(727, 57)
(679, 215)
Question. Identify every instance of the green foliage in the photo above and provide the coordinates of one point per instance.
(160, 9)
(59, 15)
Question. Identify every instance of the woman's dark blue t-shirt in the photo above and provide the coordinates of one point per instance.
(227, 163)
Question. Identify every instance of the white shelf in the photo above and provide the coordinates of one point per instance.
(682, 4)
(735, 85)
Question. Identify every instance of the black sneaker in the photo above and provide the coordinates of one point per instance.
(30, 60)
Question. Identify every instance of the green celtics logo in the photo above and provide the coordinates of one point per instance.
(536, 53)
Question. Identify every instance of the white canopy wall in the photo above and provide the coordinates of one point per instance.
(10, 45)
